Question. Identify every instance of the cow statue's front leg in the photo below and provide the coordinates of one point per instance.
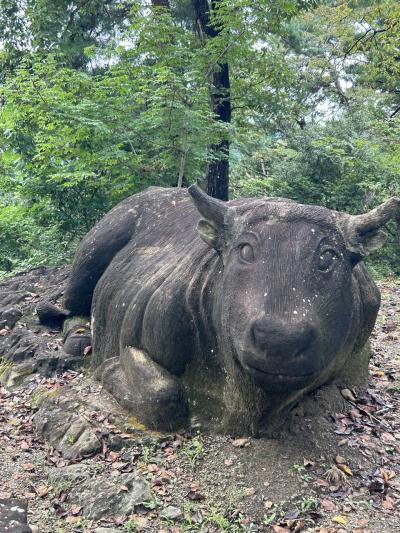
(149, 391)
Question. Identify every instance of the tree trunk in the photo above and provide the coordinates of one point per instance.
(218, 170)
(160, 3)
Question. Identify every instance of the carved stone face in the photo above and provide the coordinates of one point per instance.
(286, 299)
(285, 303)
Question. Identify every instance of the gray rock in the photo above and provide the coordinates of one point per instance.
(66, 430)
(13, 516)
(77, 343)
(76, 335)
(49, 314)
(171, 513)
(13, 375)
(64, 478)
(11, 316)
(103, 496)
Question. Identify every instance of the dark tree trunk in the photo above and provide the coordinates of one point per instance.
(218, 170)
(160, 3)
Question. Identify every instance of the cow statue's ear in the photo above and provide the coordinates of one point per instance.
(363, 233)
(213, 227)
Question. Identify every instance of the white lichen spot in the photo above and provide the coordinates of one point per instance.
(295, 312)
(312, 230)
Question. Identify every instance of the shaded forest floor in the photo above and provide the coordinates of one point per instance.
(326, 473)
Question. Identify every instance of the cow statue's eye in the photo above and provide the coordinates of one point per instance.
(246, 253)
(327, 260)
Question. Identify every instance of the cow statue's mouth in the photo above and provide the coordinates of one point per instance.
(278, 377)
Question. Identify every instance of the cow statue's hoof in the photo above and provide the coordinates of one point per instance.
(76, 336)
(229, 311)
(147, 390)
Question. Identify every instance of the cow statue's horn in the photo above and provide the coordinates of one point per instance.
(376, 218)
(212, 209)
(363, 232)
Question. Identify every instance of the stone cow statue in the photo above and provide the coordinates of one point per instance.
(231, 311)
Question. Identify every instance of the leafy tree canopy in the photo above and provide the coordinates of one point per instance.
(102, 99)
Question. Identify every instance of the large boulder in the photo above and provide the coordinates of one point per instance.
(232, 311)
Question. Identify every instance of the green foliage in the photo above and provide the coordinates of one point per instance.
(99, 100)
(61, 27)
(24, 244)
(193, 449)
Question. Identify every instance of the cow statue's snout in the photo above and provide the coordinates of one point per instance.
(278, 339)
(276, 348)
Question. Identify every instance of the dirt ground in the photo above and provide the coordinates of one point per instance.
(326, 472)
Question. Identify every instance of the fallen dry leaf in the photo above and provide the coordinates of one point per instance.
(42, 491)
(346, 469)
(280, 529)
(339, 520)
(72, 519)
(387, 438)
(327, 504)
(241, 443)
(76, 509)
(387, 503)
(348, 395)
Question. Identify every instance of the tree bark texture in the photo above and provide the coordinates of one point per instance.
(160, 3)
(218, 170)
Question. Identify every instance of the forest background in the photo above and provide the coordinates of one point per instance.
(101, 99)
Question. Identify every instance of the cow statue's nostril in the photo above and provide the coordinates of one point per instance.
(277, 338)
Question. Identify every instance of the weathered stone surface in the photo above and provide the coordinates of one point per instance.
(26, 344)
(77, 337)
(67, 419)
(112, 496)
(171, 513)
(65, 429)
(230, 310)
(100, 495)
(13, 375)
(10, 316)
(50, 315)
(13, 516)
(64, 478)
